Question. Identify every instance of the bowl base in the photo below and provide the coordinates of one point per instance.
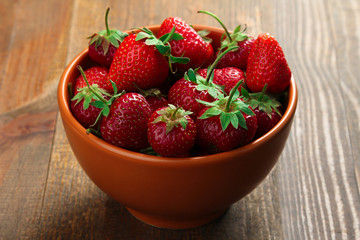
(173, 223)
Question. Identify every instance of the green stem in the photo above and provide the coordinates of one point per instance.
(212, 67)
(144, 93)
(218, 19)
(262, 93)
(106, 22)
(169, 37)
(70, 90)
(93, 131)
(88, 85)
(174, 114)
(232, 92)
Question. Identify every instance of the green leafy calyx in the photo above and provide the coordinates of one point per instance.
(216, 91)
(162, 44)
(172, 116)
(231, 39)
(206, 84)
(261, 100)
(229, 109)
(204, 35)
(106, 37)
(237, 36)
(93, 95)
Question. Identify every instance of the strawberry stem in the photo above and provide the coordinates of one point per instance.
(106, 22)
(170, 36)
(88, 85)
(262, 92)
(218, 19)
(231, 95)
(93, 131)
(173, 116)
(212, 67)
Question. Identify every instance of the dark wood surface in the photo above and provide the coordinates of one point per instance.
(312, 193)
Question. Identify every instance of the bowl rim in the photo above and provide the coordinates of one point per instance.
(66, 115)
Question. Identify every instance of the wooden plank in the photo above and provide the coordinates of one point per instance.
(33, 60)
(319, 198)
(33, 56)
(346, 22)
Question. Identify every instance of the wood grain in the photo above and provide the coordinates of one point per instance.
(32, 53)
(312, 193)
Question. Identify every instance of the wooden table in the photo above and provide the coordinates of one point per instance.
(312, 193)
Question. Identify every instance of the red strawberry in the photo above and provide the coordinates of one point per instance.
(186, 91)
(227, 77)
(240, 57)
(210, 57)
(156, 102)
(192, 46)
(83, 111)
(171, 132)
(237, 58)
(126, 124)
(267, 65)
(226, 124)
(266, 108)
(154, 97)
(103, 45)
(142, 59)
(266, 121)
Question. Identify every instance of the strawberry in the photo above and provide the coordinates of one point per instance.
(156, 102)
(154, 97)
(267, 109)
(210, 57)
(238, 58)
(226, 123)
(193, 86)
(144, 60)
(267, 65)
(192, 46)
(83, 111)
(171, 131)
(103, 45)
(126, 124)
(226, 77)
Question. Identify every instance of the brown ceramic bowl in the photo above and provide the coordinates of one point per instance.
(173, 192)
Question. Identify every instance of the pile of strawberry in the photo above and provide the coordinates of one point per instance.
(172, 94)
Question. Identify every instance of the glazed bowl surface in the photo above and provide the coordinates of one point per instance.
(173, 192)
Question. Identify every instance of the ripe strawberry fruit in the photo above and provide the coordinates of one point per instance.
(226, 123)
(192, 46)
(186, 90)
(103, 45)
(154, 97)
(171, 131)
(267, 109)
(83, 111)
(210, 57)
(267, 65)
(193, 86)
(239, 57)
(143, 60)
(156, 102)
(226, 77)
(126, 124)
